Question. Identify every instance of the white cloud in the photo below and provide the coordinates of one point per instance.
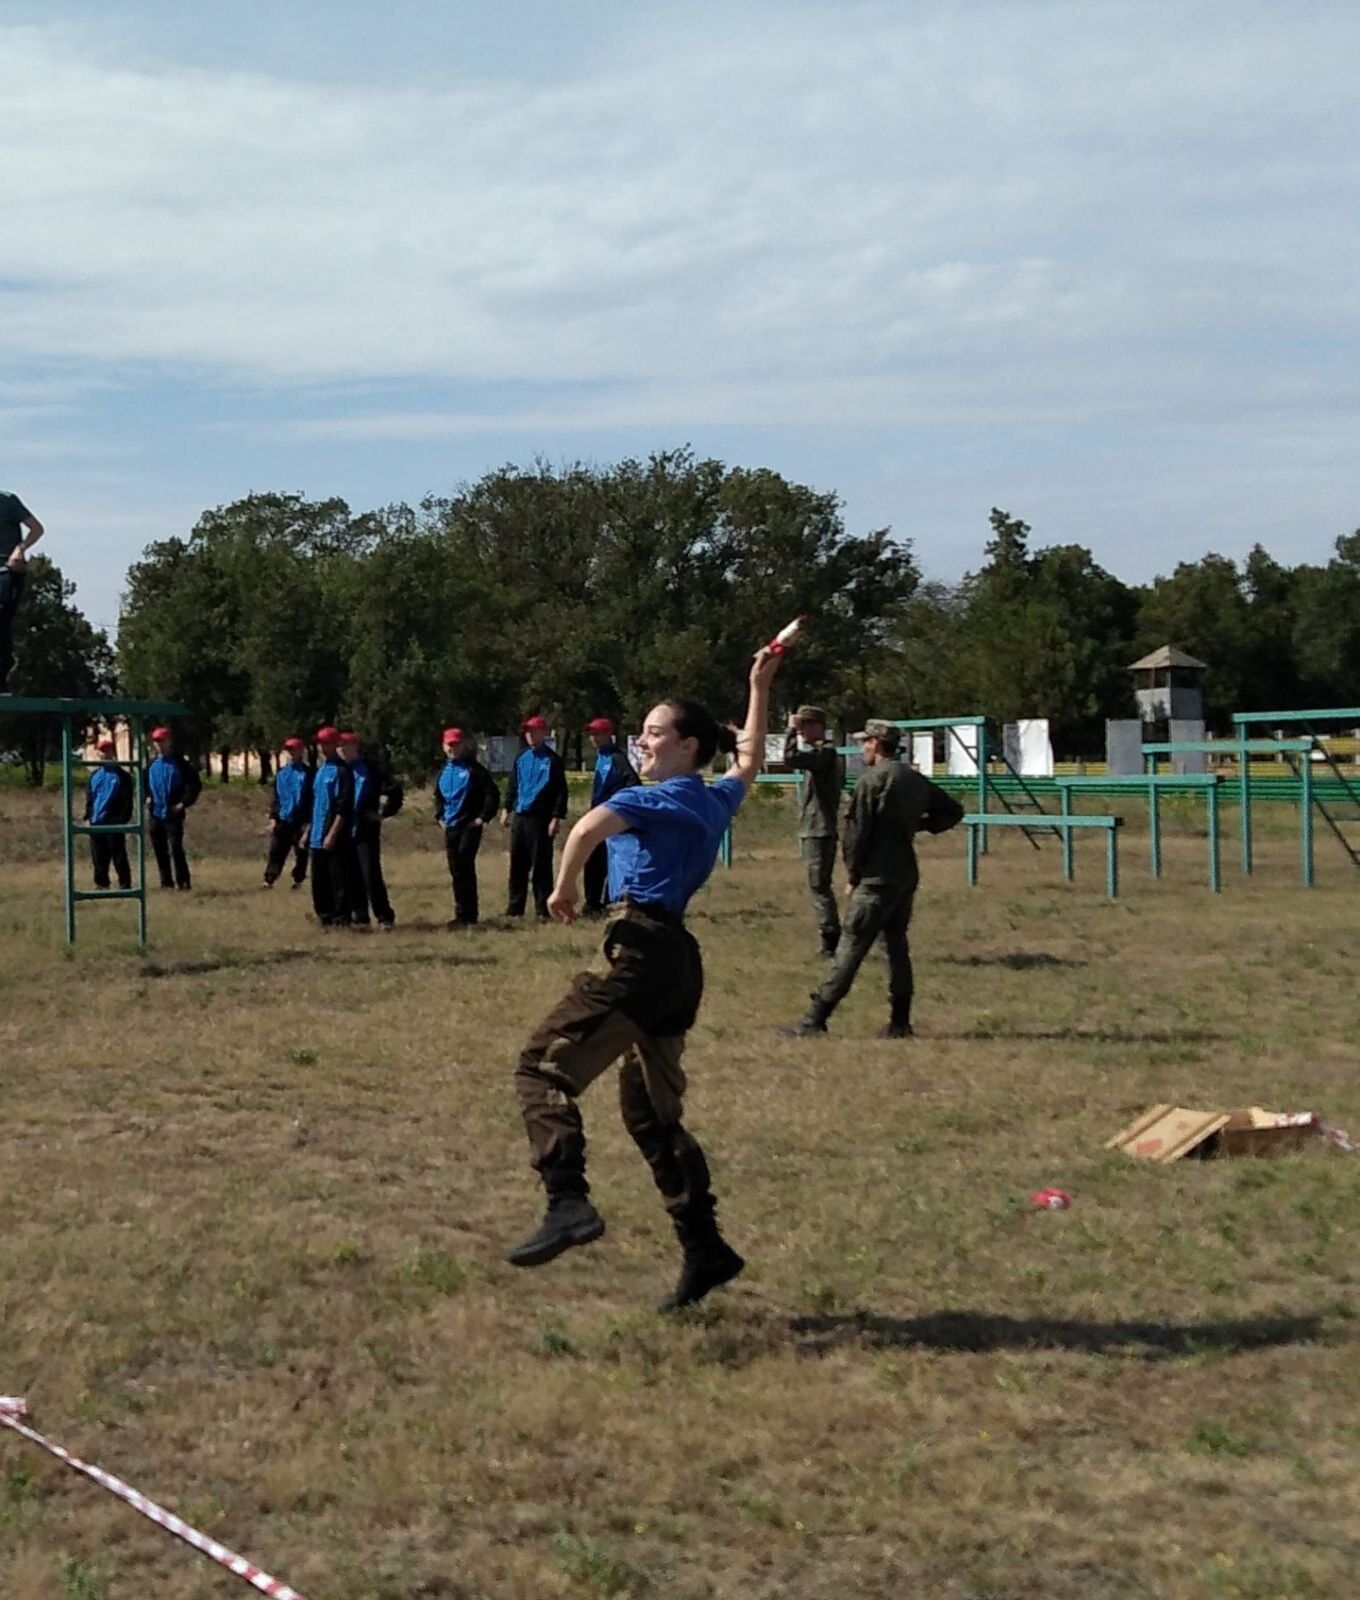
(806, 214)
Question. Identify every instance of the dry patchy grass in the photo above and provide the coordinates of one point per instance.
(258, 1185)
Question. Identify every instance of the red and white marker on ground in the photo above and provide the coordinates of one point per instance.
(12, 1408)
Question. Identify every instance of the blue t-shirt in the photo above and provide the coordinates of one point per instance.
(453, 785)
(106, 784)
(324, 793)
(290, 786)
(674, 830)
(165, 782)
(533, 768)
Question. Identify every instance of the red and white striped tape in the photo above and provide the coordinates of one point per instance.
(12, 1408)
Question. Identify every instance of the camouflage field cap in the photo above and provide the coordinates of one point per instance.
(810, 714)
(886, 734)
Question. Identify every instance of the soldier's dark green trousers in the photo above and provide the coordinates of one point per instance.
(819, 858)
(877, 911)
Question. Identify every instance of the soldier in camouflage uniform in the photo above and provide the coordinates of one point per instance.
(890, 805)
(819, 816)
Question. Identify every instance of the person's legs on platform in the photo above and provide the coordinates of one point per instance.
(11, 591)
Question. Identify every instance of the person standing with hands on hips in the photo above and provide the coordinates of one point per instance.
(172, 786)
(890, 806)
(465, 800)
(613, 771)
(535, 804)
(806, 750)
(332, 814)
(20, 530)
(663, 841)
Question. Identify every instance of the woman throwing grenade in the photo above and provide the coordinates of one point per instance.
(663, 840)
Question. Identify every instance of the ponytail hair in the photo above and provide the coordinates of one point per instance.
(695, 721)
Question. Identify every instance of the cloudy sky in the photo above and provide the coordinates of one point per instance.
(1090, 260)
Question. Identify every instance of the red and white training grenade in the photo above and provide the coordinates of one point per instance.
(787, 636)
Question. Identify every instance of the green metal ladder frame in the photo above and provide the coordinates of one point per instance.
(83, 712)
(1243, 720)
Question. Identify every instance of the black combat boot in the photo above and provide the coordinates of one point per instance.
(811, 1026)
(709, 1260)
(898, 1026)
(570, 1220)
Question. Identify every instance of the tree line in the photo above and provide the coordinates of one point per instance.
(584, 590)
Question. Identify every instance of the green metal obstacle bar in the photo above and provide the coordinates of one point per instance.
(1242, 750)
(1350, 791)
(977, 822)
(1154, 786)
(80, 713)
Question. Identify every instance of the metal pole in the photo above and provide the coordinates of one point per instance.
(1068, 867)
(138, 739)
(982, 777)
(69, 838)
(1155, 828)
(1112, 863)
(972, 854)
(1215, 869)
(1244, 781)
(1306, 833)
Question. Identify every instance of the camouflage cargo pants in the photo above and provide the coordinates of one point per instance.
(819, 860)
(877, 911)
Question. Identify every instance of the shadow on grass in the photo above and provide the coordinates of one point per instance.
(980, 1332)
(1091, 1035)
(1017, 961)
(243, 961)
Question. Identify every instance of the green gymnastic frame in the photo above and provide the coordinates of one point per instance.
(76, 716)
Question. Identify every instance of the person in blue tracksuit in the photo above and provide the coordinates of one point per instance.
(108, 799)
(376, 795)
(332, 815)
(639, 1005)
(613, 771)
(465, 800)
(535, 804)
(290, 815)
(172, 786)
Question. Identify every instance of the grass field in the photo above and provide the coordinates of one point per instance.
(258, 1183)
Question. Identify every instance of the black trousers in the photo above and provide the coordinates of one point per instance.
(597, 878)
(367, 886)
(330, 899)
(531, 858)
(167, 840)
(460, 849)
(11, 591)
(287, 839)
(110, 850)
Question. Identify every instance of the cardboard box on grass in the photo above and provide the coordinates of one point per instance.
(1168, 1133)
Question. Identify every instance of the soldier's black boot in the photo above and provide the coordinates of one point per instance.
(898, 1026)
(810, 1026)
(709, 1260)
(570, 1219)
